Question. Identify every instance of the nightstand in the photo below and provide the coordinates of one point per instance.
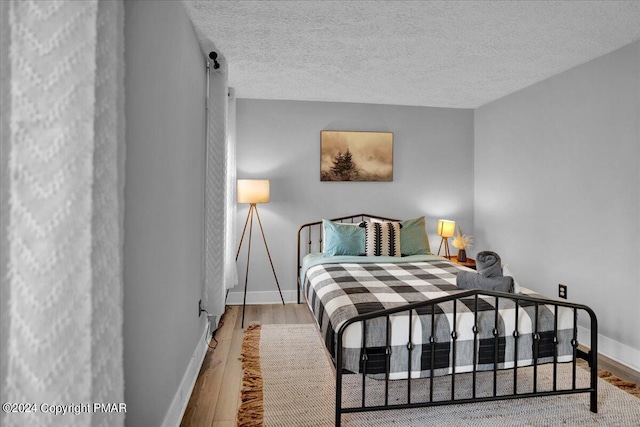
(471, 263)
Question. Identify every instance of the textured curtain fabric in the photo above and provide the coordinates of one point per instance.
(5, 135)
(62, 186)
(220, 270)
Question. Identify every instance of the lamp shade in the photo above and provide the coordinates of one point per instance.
(253, 191)
(446, 228)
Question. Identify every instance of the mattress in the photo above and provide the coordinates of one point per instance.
(340, 288)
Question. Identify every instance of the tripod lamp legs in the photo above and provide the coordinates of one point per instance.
(253, 210)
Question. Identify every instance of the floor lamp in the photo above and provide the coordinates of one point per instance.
(446, 229)
(253, 191)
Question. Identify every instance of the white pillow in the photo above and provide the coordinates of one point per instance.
(506, 271)
(382, 239)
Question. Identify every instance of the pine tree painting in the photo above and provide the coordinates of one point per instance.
(356, 156)
(343, 167)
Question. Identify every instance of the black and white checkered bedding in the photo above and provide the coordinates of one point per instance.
(337, 292)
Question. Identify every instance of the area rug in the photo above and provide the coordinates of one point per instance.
(288, 380)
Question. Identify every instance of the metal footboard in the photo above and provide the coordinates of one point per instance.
(591, 356)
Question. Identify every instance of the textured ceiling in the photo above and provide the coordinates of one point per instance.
(438, 53)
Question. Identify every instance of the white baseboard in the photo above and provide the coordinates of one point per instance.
(265, 297)
(181, 398)
(613, 349)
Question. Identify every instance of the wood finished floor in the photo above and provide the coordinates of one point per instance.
(216, 394)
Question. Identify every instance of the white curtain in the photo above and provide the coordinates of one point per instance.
(62, 209)
(220, 269)
(231, 272)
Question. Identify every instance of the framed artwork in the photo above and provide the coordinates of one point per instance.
(356, 156)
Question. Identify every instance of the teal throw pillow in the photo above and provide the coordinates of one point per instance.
(413, 237)
(342, 238)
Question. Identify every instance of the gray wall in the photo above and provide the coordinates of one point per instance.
(557, 187)
(280, 141)
(165, 90)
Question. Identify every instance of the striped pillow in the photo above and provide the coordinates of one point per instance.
(382, 239)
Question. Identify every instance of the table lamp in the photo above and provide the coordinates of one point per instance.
(446, 229)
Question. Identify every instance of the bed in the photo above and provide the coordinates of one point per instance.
(401, 334)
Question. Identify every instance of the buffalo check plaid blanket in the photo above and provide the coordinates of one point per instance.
(339, 291)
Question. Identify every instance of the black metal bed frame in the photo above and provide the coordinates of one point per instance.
(590, 356)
